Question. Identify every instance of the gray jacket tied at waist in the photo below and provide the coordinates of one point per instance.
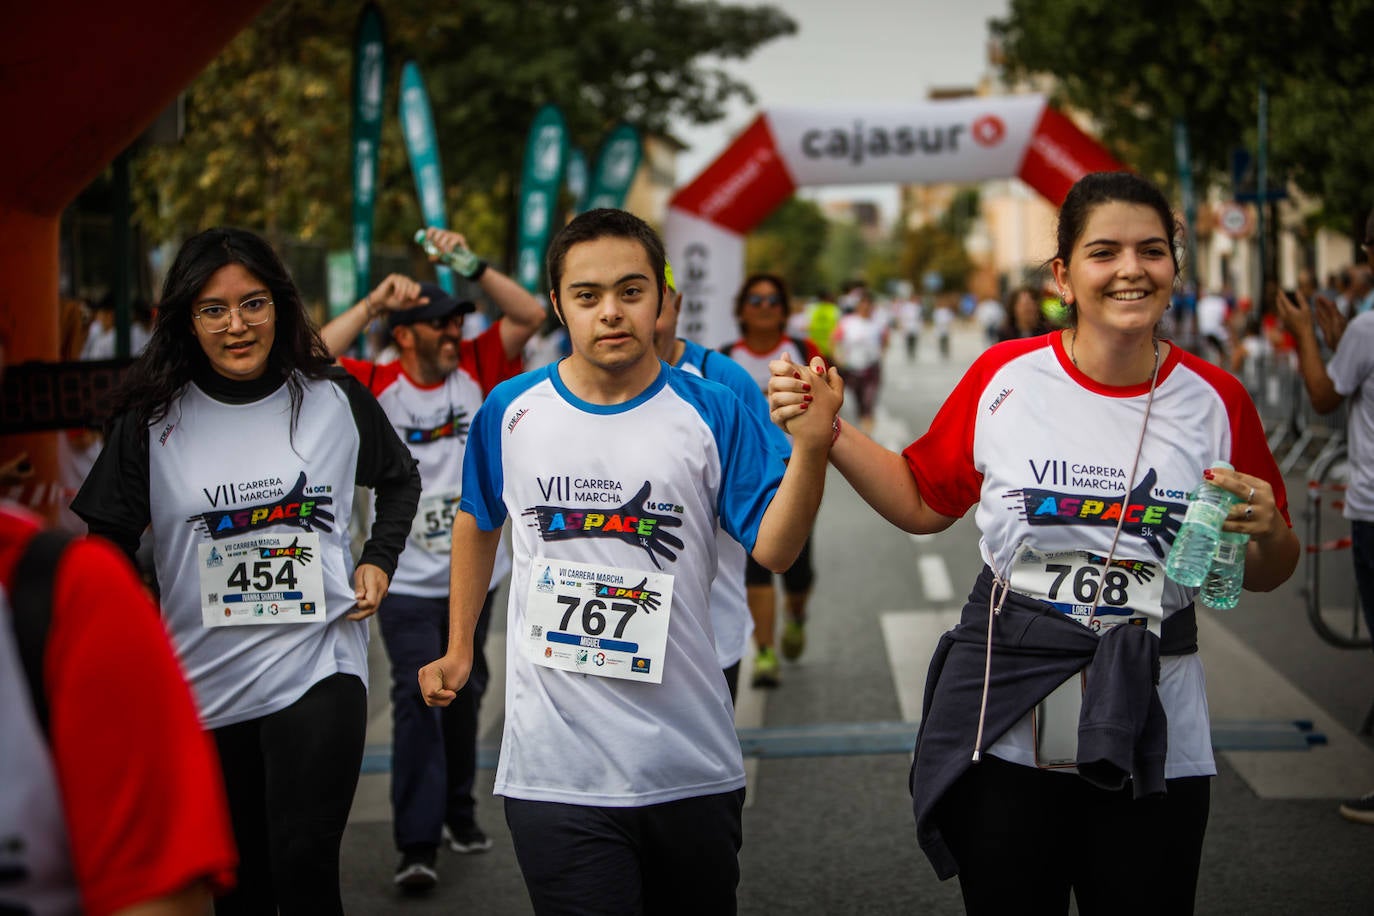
(1122, 728)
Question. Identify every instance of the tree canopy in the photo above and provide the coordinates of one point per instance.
(266, 144)
(790, 243)
(1135, 67)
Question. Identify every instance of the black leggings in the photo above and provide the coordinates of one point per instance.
(290, 778)
(1024, 837)
(678, 857)
(797, 580)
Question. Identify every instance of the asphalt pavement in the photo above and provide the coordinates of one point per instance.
(834, 834)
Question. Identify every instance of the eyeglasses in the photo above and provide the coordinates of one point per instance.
(252, 312)
(756, 299)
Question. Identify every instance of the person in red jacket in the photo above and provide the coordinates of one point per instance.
(120, 806)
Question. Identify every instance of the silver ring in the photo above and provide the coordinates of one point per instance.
(1251, 497)
(1249, 512)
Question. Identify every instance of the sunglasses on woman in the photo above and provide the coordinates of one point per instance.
(756, 299)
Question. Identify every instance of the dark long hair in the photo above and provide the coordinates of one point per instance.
(174, 356)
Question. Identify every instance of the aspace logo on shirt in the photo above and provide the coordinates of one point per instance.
(632, 522)
(455, 426)
(293, 508)
(1153, 520)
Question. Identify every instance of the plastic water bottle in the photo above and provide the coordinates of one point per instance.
(1191, 554)
(1221, 588)
(460, 259)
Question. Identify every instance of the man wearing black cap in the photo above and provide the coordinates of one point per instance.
(430, 394)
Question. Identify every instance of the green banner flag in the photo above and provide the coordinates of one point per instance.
(369, 81)
(577, 178)
(422, 149)
(615, 168)
(545, 152)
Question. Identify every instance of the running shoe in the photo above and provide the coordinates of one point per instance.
(467, 840)
(416, 874)
(793, 639)
(766, 669)
(1360, 810)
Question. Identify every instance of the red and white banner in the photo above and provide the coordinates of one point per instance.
(975, 139)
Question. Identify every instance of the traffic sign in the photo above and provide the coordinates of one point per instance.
(1234, 220)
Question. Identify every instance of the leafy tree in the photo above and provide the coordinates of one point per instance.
(790, 243)
(267, 139)
(845, 256)
(1135, 68)
(934, 248)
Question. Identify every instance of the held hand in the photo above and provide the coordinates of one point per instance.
(445, 240)
(370, 585)
(442, 678)
(394, 293)
(1257, 514)
(804, 400)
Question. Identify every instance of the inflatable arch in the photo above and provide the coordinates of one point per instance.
(961, 140)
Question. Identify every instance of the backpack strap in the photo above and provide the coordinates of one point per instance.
(31, 596)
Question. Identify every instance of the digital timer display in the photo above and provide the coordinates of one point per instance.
(37, 397)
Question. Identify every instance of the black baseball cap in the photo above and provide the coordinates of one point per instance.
(440, 305)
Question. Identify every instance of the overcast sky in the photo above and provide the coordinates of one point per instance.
(850, 52)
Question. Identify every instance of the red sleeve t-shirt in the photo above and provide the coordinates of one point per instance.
(139, 778)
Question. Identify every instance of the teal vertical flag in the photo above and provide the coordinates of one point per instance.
(545, 153)
(615, 168)
(577, 178)
(369, 81)
(422, 148)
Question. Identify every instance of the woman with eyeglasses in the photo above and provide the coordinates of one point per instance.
(238, 442)
(1076, 449)
(762, 308)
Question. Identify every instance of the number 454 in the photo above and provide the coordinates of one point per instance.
(262, 578)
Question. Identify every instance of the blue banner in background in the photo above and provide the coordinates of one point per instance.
(546, 151)
(422, 149)
(369, 82)
(616, 166)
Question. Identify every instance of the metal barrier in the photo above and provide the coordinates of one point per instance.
(1297, 434)
(1329, 474)
(1328, 480)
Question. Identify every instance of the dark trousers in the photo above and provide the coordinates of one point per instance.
(732, 680)
(798, 578)
(290, 778)
(433, 750)
(1362, 552)
(676, 857)
(1024, 837)
(864, 384)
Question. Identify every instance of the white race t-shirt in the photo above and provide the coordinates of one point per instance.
(221, 473)
(1352, 372)
(859, 341)
(1044, 453)
(640, 487)
(433, 423)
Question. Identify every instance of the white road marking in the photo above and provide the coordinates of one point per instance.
(935, 581)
